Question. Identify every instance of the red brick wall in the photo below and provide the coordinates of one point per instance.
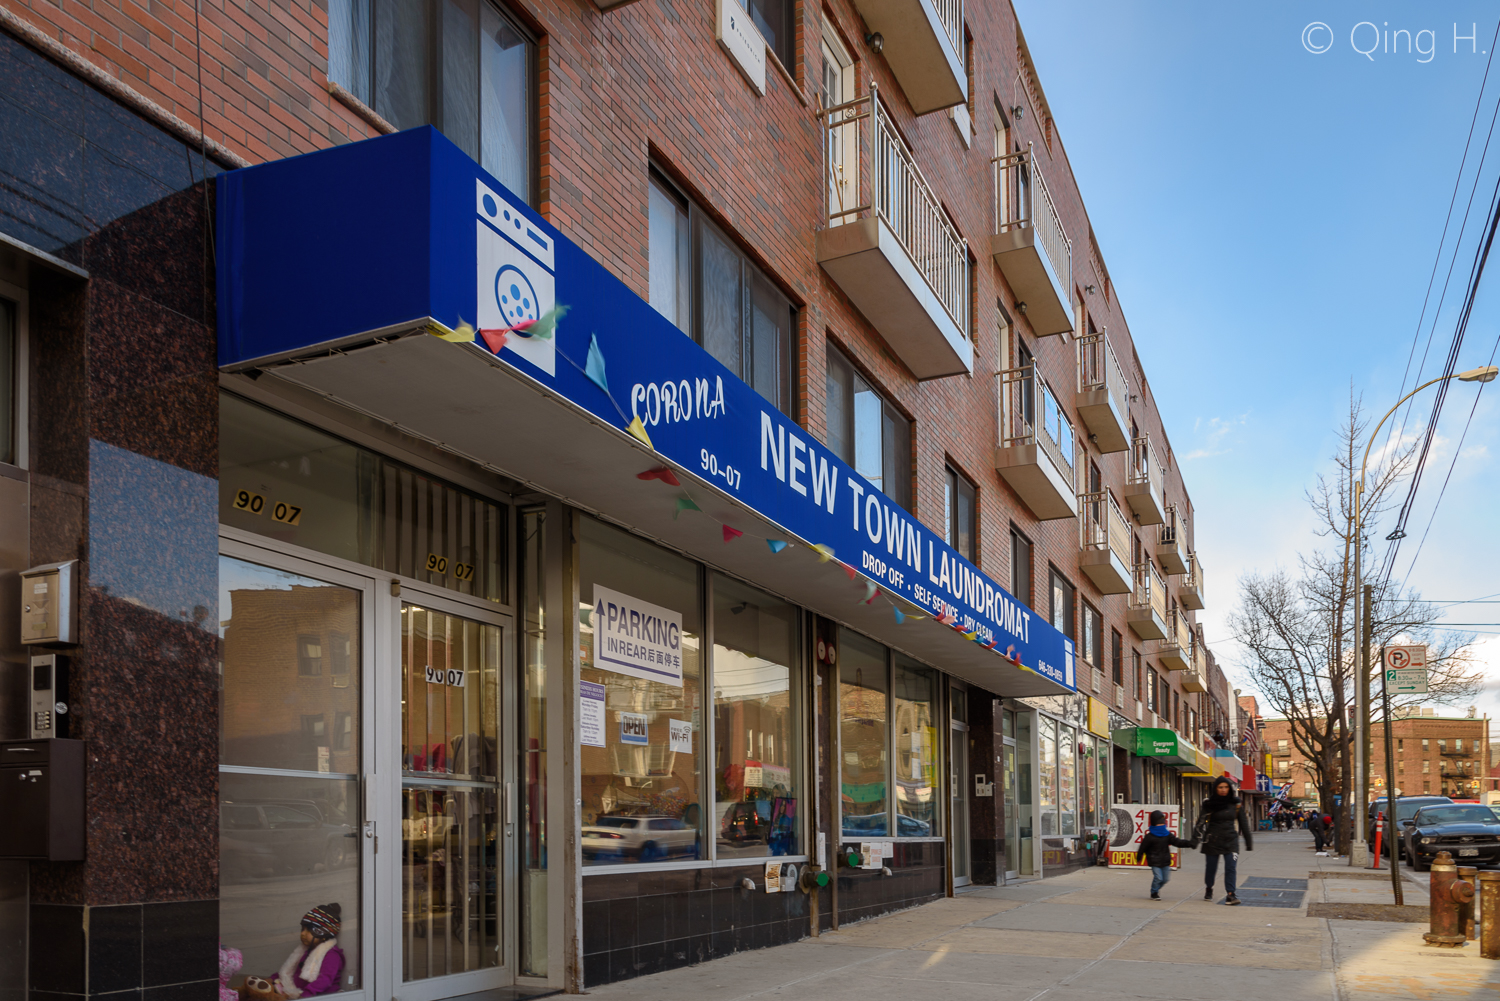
(648, 80)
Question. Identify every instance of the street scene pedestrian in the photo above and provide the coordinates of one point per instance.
(1157, 846)
(1319, 831)
(1221, 824)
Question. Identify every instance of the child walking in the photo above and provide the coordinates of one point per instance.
(1157, 846)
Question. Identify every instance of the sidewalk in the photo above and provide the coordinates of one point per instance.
(1095, 934)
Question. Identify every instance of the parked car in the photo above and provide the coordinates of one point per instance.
(1468, 832)
(266, 837)
(1406, 808)
(644, 838)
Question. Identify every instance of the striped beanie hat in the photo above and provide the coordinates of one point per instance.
(323, 921)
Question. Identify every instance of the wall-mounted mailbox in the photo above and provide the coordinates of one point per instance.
(49, 604)
(41, 799)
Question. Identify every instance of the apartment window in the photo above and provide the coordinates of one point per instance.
(309, 655)
(959, 522)
(1061, 611)
(1020, 566)
(774, 20)
(1281, 745)
(1136, 672)
(867, 432)
(8, 375)
(465, 66)
(1176, 716)
(1426, 787)
(1442, 745)
(1400, 744)
(1458, 743)
(843, 150)
(1093, 636)
(1426, 767)
(1424, 745)
(1282, 767)
(705, 285)
(1150, 690)
(1117, 656)
(314, 728)
(1307, 789)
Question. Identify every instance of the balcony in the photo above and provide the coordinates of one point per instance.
(1147, 612)
(1104, 542)
(890, 245)
(1192, 681)
(1030, 245)
(1169, 545)
(1035, 454)
(1190, 588)
(1103, 395)
(1144, 483)
(924, 45)
(1176, 651)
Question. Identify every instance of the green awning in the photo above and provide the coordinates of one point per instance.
(1158, 743)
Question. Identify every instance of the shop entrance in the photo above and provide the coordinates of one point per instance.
(959, 780)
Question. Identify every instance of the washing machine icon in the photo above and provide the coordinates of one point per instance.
(515, 277)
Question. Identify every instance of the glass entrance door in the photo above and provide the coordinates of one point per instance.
(457, 827)
(959, 784)
(1012, 846)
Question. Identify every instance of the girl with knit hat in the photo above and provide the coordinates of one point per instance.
(313, 967)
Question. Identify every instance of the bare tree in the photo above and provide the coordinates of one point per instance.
(1297, 629)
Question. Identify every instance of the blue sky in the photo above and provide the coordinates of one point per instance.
(1270, 218)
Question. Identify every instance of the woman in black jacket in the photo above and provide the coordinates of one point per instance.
(1221, 822)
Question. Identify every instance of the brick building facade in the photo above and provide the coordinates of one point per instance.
(124, 120)
(1435, 756)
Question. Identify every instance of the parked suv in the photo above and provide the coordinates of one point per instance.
(645, 838)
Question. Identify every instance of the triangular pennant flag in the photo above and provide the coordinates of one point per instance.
(900, 617)
(542, 329)
(824, 553)
(970, 636)
(660, 473)
(730, 534)
(495, 339)
(776, 545)
(870, 591)
(639, 430)
(685, 504)
(848, 570)
(593, 365)
(461, 334)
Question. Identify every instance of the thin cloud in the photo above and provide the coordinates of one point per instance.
(1217, 430)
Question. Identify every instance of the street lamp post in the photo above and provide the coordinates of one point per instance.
(1357, 850)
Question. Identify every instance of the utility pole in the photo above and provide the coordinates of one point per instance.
(1390, 778)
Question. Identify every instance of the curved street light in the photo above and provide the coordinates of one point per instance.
(1485, 373)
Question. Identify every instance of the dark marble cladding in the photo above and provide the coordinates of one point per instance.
(152, 776)
(918, 875)
(75, 161)
(640, 923)
(59, 362)
(115, 950)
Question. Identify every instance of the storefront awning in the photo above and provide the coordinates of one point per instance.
(359, 274)
(1159, 744)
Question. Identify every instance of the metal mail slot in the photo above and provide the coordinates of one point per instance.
(41, 799)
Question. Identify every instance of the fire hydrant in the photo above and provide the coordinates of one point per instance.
(1466, 910)
(1446, 895)
(1489, 915)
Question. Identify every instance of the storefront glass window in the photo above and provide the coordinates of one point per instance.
(1090, 782)
(863, 713)
(289, 808)
(642, 791)
(534, 745)
(1067, 779)
(1046, 794)
(289, 482)
(756, 773)
(915, 729)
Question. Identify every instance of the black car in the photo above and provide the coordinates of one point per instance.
(1467, 831)
(1406, 808)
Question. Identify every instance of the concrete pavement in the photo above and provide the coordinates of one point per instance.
(1096, 934)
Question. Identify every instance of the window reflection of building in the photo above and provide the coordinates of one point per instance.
(863, 733)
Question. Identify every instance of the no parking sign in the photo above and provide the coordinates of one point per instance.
(1406, 670)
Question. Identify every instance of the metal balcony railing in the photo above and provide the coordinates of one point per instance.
(1023, 200)
(1030, 414)
(1151, 592)
(1103, 526)
(1171, 533)
(1145, 467)
(951, 15)
(1098, 368)
(884, 171)
(1194, 578)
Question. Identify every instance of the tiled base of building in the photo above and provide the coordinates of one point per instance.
(636, 924)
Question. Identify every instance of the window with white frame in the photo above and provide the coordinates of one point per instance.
(842, 152)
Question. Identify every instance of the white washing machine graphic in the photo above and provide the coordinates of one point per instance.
(516, 277)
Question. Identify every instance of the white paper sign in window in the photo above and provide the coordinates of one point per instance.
(591, 714)
(636, 638)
